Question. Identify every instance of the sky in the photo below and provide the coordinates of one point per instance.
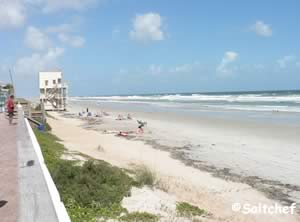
(113, 47)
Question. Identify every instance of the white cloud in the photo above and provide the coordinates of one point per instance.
(36, 39)
(155, 69)
(71, 26)
(283, 62)
(66, 33)
(185, 68)
(57, 5)
(65, 27)
(228, 58)
(31, 65)
(12, 14)
(74, 41)
(262, 29)
(147, 27)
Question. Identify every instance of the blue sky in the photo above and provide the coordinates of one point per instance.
(154, 46)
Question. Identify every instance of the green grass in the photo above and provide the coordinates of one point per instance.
(91, 191)
(144, 176)
(185, 209)
(139, 217)
(51, 148)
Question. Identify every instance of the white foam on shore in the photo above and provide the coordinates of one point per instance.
(198, 97)
(250, 102)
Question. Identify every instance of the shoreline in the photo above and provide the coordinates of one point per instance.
(274, 190)
(286, 192)
(217, 192)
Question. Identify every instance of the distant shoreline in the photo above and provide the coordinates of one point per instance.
(196, 92)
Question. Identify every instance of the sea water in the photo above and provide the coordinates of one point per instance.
(274, 106)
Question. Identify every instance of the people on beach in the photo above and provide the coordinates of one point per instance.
(10, 105)
(129, 116)
(124, 134)
(120, 117)
(98, 114)
(105, 113)
(142, 124)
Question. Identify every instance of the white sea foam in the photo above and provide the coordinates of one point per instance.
(199, 97)
(257, 102)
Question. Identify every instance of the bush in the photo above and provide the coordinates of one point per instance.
(144, 176)
(52, 150)
(139, 217)
(94, 183)
(91, 191)
(187, 210)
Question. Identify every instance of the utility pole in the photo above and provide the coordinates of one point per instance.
(12, 83)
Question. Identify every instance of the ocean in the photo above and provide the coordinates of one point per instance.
(268, 101)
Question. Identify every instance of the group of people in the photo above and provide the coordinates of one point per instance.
(141, 124)
(121, 117)
(88, 113)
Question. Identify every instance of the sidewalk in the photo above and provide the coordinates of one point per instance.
(27, 191)
(8, 171)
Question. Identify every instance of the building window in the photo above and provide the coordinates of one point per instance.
(59, 81)
(54, 81)
(46, 82)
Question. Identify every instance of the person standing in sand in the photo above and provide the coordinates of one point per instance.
(141, 126)
(10, 105)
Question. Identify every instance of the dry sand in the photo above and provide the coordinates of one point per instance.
(186, 183)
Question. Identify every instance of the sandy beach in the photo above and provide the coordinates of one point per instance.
(212, 163)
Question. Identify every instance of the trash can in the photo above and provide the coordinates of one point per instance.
(41, 127)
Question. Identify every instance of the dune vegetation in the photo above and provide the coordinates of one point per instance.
(92, 190)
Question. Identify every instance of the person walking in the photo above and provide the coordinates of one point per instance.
(10, 105)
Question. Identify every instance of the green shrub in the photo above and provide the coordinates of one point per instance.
(88, 214)
(52, 150)
(144, 176)
(94, 182)
(139, 217)
(185, 209)
(91, 191)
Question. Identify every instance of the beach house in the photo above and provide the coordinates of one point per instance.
(4, 91)
(53, 90)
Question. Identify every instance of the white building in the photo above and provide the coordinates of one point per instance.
(53, 90)
(4, 93)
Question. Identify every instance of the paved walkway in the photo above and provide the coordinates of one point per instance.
(24, 193)
(35, 203)
(8, 172)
